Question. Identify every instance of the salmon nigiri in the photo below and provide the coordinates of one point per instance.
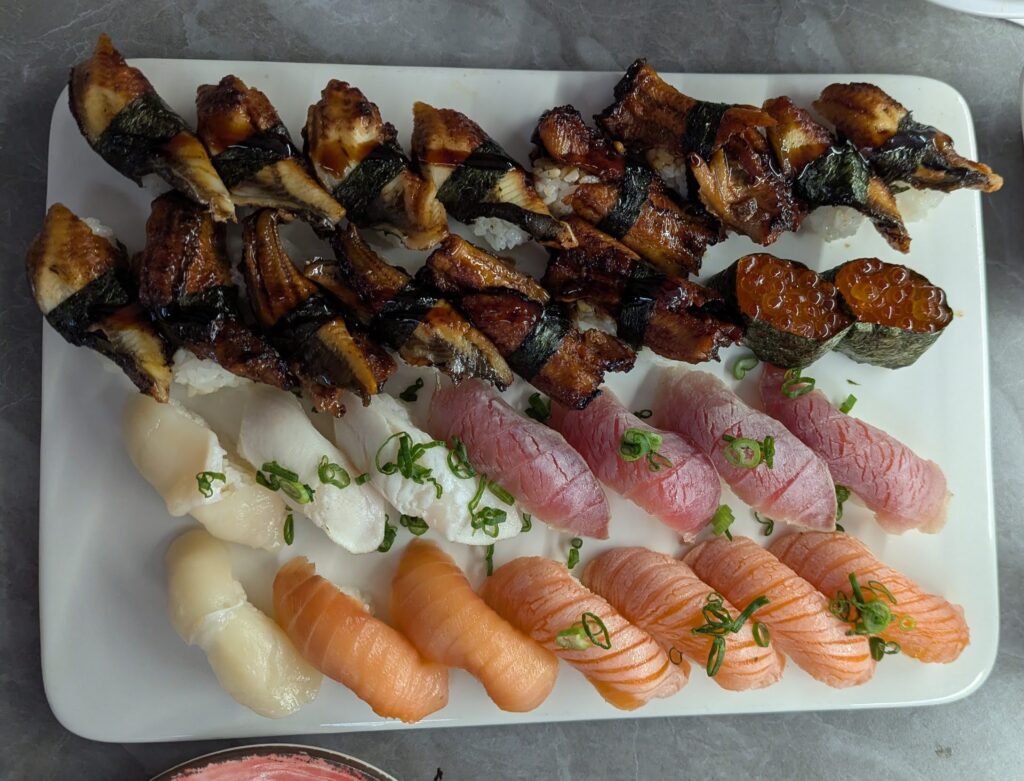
(662, 596)
(434, 605)
(338, 636)
(797, 615)
(539, 596)
(940, 633)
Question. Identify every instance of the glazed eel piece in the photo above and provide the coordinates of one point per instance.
(535, 335)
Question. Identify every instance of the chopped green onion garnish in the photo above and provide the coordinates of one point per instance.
(643, 414)
(389, 536)
(538, 408)
(589, 631)
(637, 443)
(743, 365)
(276, 470)
(363, 478)
(718, 623)
(489, 559)
(411, 393)
(768, 451)
(716, 656)
(853, 382)
(795, 385)
(527, 523)
(289, 529)
(842, 494)
(906, 623)
(333, 474)
(840, 527)
(501, 493)
(573, 638)
(413, 523)
(742, 452)
(880, 648)
(458, 460)
(722, 520)
(405, 460)
(275, 477)
(767, 524)
(677, 658)
(205, 482)
(574, 552)
(761, 634)
(485, 519)
(869, 615)
(847, 404)
(595, 628)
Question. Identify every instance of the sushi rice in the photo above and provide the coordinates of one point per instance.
(915, 204)
(555, 185)
(201, 376)
(500, 234)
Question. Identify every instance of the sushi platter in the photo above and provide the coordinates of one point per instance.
(112, 554)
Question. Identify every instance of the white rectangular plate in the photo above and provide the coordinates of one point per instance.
(114, 668)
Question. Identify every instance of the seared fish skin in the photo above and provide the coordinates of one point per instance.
(325, 352)
(255, 156)
(80, 282)
(476, 178)
(826, 172)
(185, 282)
(357, 157)
(535, 336)
(900, 148)
(127, 123)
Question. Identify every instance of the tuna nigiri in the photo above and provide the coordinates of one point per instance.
(539, 596)
(338, 635)
(545, 474)
(796, 488)
(662, 596)
(903, 490)
(678, 485)
(940, 632)
(796, 614)
(437, 609)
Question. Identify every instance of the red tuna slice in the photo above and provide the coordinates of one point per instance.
(903, 490)
(547, 477)
(683, 496)
(797, 488)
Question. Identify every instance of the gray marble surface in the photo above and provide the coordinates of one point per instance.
(978, 737)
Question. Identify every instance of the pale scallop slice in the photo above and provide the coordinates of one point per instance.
(247, 513)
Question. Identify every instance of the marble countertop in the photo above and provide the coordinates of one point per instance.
(977, 737)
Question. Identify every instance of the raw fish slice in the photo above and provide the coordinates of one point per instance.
(339, 636)
(662, 596)
(357, 157)
(548, 478)
(797, 616)
(826, 561)
(797, 489)
(368, 434)
(127, 123)
(541, 598)
(903, 490)
(254, 154)
(274, 429)
(79, 279)
(436, 608)
(682, 494)
(253, 659)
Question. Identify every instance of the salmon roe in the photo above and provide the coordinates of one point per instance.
(789, 297)
(892, 295)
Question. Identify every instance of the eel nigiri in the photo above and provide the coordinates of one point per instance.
(79, 277)
(340, 637)
(547, 477)
(903, 490)
(662, 596)
(433, 604)
(293, 457)
(357, 157)
(253, 659)
(675, 482)
(796, 488)
(626, 666)
(254, 154)
(939, 632)
(130, 126)
(477, 180)
(796, 614)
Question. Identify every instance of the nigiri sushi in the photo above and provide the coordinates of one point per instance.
(925, 626)
(340, 637)
(662, 596)
(661, 472)
(433, 604)
(796, 614)
(419, 476)
(253, 659)
(793, 486)
(548, 478)
(624, 663)
(903, 490)
(312, 475)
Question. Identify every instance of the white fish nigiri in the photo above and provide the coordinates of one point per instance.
(274, 429)
(364, 430)
(253, 658)
(171, 448)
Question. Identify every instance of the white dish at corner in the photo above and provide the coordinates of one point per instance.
(115, 670)
(1011, 10)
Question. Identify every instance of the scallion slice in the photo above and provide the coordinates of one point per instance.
(205, 482)
(333, 474)
(743, 365)
(412, 392)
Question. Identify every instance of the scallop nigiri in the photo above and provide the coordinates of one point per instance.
(434, 605)
(624, 663)
(253, 659)
(663, 596)
(677, 483)
(939, 632)
(545, 474)
(340, 637)
(796, 614)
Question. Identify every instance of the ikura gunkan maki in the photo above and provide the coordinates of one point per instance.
(792, 314)
(899, 313)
